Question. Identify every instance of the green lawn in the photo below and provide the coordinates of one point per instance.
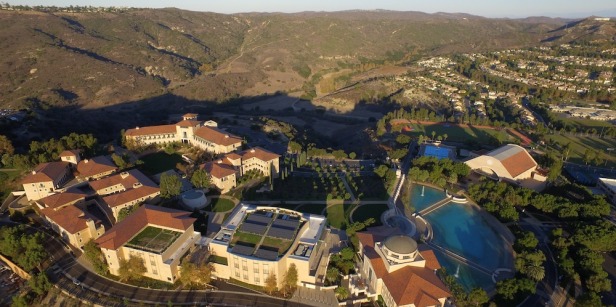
(364, 212)
(582, 124)
(159, 162)
(301, 188)
(220, 205)
(461, 134)
(245, 238)
(579, 144)
(368, 188)
(274, 243)
(338, 215)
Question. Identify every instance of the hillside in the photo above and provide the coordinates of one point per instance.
(100, 59)
(587, 30)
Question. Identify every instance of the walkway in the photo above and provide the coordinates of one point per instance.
(461, 259)
(435, 206)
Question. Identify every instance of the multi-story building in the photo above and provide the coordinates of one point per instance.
(124, 190)
(510, 163)
(66, 214)
(159, 236)
(46, 179)
(95, 168)
(396, 268)
(285, 237)
(204, 135)
(224, 172)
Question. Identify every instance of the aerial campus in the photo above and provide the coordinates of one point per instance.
(475, 178)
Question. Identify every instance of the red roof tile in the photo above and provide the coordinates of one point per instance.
(95, 166)
(126, 179)
(146, 215)
(218, 170)
(162, 129)
(259, 153)
(217, 136)
(62, 199)
(188, 123)
(129, 195)
(71, 218)
(519, 163)
(47, 172)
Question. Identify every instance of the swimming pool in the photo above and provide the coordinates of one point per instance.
(422, 198)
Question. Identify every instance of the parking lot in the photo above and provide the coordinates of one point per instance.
(10, 284)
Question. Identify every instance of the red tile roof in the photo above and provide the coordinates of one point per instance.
(95, 166)
(62, 199)
(47, 172)
(259, 153)
(217, 136)
(188, 123)
(129, 195)
(518, 163)
(126, 179)
(146, 215)
(71, 218)
(410, 284)
(149, 130)
(218, 170)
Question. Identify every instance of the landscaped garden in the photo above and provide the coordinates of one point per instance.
(338, 215)
(159, 162)
(365, 212)
(220, 205)
(368, 187)
(323, 187)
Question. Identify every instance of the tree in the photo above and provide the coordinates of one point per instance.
(289, 282)
(192, 275)
(95, 256)
(352, 155)
(433, 134)
(120, 161)
(507, 288)
(170, 185)
(125, 212)
(201, 179)
(271, 284)
(477, 297)
(332, 275)
(342, 293)
(6, 147)
(527, 240)
(131, 269)
(403, 139)
(19, 301)
(40, 283)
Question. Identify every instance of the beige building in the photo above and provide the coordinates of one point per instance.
(46, 179)
(395, 267)
(158, 236)
(123, 190)
(204, 135)
(289, 237)
(71, 156)
(66, 215)
(224, 172)
(95, 168)
(510, 163)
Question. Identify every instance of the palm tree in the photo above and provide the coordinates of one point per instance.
(445, 137)
(535, 272)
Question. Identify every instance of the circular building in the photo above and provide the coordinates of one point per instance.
(194, 199)
(400, 247)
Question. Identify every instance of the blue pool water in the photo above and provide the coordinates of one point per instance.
(430, 196)
(461, 229)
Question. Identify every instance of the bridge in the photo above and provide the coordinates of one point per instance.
(462, 259)
(435, 206)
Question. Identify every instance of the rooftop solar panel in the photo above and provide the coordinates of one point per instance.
(253, 228)
(286, 224)
(266, 254)
(258, 219)
(242, 250)
(281, 233)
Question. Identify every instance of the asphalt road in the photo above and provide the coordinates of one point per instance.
(72, 277)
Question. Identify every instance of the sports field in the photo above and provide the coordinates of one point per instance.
(460, 133)
(579, 144)
(154, 239)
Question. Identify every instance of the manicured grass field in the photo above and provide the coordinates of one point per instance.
(220, 205)
(368, 188)
(154, 239)
(579, 144)
(338, 215)
(245, 238)
(159, 162)
(364, 212)
(582, 124)
(461, 134)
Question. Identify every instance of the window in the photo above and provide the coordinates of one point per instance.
(257, 280)
(256, 268)
(266, 269)
(237, 274)
(244, 265)
(245, 276)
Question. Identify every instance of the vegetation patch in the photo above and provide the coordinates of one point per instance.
(159, 162)
(220, 205)
(365, 212)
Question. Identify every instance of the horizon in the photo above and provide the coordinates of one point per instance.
(483, 8)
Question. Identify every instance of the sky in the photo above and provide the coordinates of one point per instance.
(487, 8)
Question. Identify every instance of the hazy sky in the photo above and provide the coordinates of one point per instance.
(488, 8)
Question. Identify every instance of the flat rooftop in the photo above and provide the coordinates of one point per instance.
(153, 239)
